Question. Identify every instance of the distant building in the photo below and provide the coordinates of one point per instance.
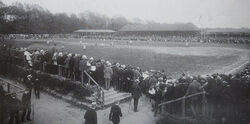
(155, 29)
(231, 32)
(84, 32)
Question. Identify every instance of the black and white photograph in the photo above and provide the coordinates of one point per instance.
(124, 61)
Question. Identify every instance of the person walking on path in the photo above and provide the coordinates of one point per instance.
(91, 115)
(115, 113)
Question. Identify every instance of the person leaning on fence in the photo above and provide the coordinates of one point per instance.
(91, 115)
(115, 113)
(193, 88)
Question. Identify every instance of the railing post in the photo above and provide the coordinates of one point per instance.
(8, 88)
(183, 107)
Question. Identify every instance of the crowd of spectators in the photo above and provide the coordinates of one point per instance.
(192, 38)
(226, 95)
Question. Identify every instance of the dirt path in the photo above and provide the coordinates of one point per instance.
(51, 110)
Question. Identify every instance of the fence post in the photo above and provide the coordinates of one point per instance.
(8, 87)
(183, 107)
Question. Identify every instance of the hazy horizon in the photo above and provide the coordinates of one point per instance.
(202, 13)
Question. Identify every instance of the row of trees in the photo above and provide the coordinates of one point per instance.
(26, 18)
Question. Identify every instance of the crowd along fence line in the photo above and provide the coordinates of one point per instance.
(183, 103)
(42, 66)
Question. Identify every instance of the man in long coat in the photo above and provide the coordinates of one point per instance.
(136, 93)
(91, 115)
(115, 113)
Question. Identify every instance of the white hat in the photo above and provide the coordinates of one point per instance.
(93, 68)
(117, 64)
(123, 66)
(93, 105)
(91, 58)
(88, 64)
(84, 57)
(69, 55)
(29, 76)
(60, 54)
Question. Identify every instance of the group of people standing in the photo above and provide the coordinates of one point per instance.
(19, 109)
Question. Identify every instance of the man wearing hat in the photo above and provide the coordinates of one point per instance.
(91, 115)
(28, 81)
(115, 113)
(136, 93)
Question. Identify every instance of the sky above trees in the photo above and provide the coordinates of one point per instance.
(203, 13)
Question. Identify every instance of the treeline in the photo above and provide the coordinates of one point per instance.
(33, 19)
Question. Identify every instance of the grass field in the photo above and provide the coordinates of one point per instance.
(174, 58)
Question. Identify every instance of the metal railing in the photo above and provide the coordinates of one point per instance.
(183, 102)
(100, 91)
(8, 85)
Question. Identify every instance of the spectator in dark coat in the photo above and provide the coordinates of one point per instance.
(128, 79)
(26, 103)
(91, 115)
(67, 63)
(82, 68)
(136, 93)
(37, 88)
(115, 113)
(121, 78)
(115, 76)
(193, 88)
(76, 67)
(14, 107)
(157, 98)
(71, 67)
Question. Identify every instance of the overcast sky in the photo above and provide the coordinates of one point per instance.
(203, 13)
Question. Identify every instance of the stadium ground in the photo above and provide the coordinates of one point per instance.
(175, 58)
